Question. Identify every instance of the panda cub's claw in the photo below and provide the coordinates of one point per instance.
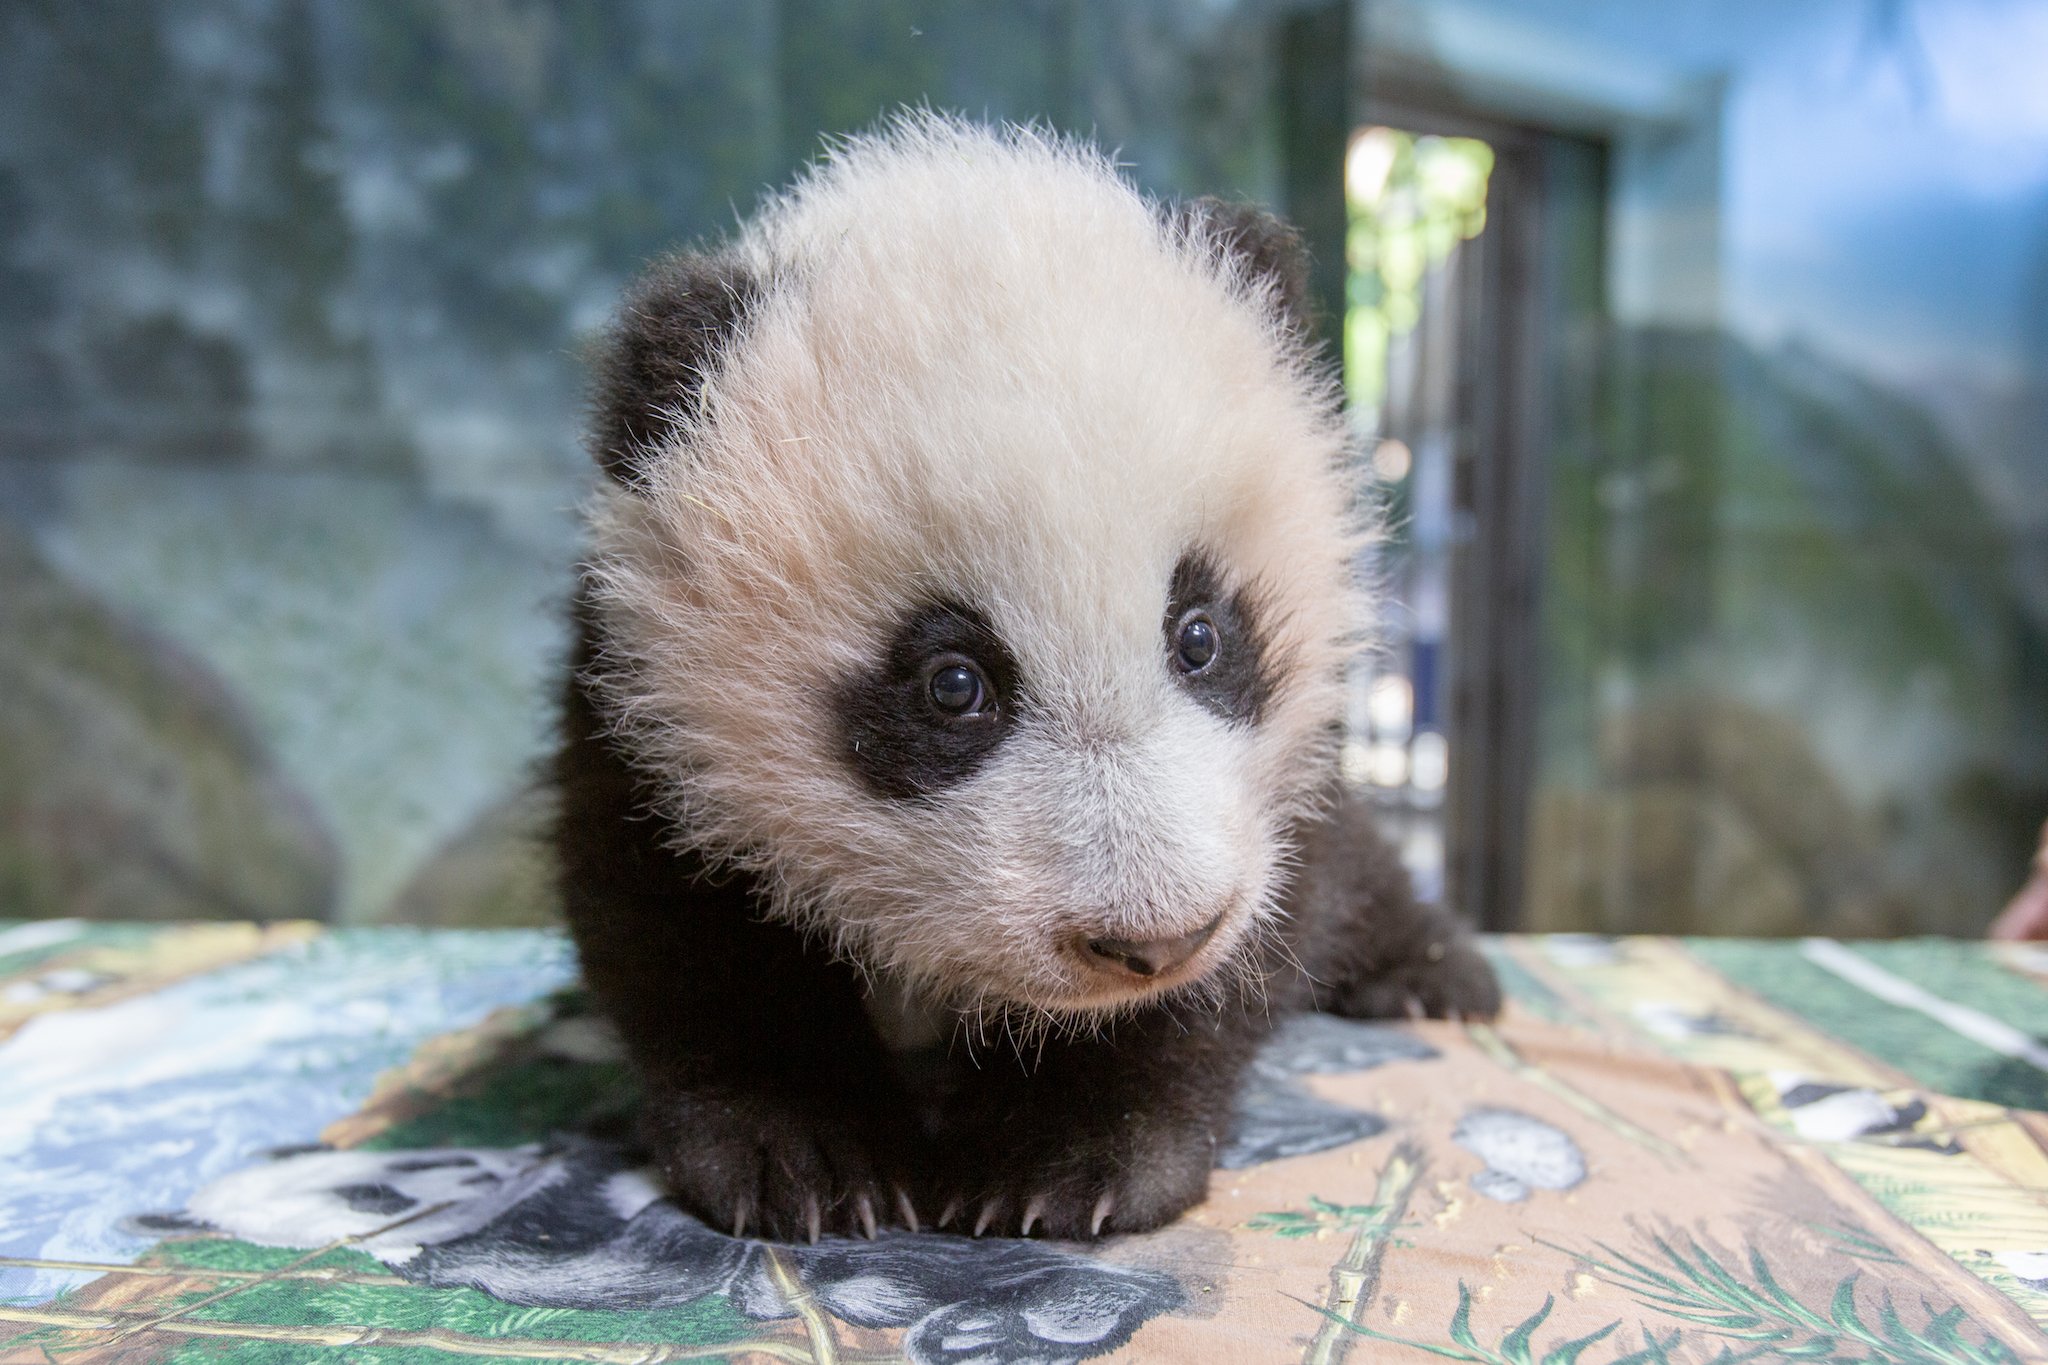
(1103, 1208)
(864, 1206)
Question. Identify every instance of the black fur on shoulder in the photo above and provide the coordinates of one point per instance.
(1266, 246)
(652, 363)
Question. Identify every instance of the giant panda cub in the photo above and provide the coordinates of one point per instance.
(949, 804)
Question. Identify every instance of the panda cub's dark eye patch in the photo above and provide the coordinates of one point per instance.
(933, 708)
(1213, 641)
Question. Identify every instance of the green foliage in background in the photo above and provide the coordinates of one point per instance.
(1413, 199)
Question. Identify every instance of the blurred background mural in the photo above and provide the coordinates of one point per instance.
(1699, 348)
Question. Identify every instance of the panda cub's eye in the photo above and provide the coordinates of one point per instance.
(1195, 641)
(956, 686)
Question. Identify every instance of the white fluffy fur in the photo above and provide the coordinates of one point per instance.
(986, 369)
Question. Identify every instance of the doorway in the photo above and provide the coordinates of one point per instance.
(1448, 356)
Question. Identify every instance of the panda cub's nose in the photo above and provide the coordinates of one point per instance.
(1153, 956)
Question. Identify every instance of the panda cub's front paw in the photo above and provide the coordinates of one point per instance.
(1445, 978)
(757, 1166)
(1090, 1185)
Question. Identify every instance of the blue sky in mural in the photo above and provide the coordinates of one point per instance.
(1886, 163)
(1885, 194)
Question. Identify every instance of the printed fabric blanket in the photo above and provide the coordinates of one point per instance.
(288, 1143)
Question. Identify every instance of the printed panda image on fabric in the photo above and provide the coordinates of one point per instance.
(581, 1223)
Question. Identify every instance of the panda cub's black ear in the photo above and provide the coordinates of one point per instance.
(650, 365)
(1265, 246)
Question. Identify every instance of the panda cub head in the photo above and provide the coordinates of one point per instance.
(976, 566)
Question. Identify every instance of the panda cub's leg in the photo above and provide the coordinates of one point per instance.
(1369, 949)
(768, 1104)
